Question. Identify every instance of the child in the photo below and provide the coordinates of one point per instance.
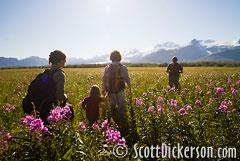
(91, 104)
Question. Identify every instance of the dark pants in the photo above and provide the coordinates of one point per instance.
(174, 80)
(92, 119)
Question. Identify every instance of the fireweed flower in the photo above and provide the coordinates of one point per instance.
(37, 125)
(153, 93)
(27, 120)
(188, 108)
(198, 87)
(210, 101)
(234, 110)
(82, 126)
(160, 99)
(219, 91)
(104, 123)
(8, 109)
(96, 127)
(223, 108)
(138, 102)
(144, 94)
(238, 82)
(114, 136)
(5, 143)
(174, 103)
(229, 80)
(160, 110)
(198, 102)
(168, 86)
(8, 136)
(7, 105)
(209, 92)
(34, 125)
(182, 111)
(59, 114)
(234, 92)
(183, 92)
(151, 109)
(230, 103)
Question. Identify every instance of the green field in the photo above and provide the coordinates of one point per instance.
(214, 121)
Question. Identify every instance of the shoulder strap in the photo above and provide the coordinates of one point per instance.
(53, 71)
(56, 70)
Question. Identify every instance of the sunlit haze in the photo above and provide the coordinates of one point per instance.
(85, 28)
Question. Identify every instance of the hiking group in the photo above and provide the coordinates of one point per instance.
(47, 90)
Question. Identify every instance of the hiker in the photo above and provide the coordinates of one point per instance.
(47, 89)
(113, 82)
(174, 69)
(91, 104)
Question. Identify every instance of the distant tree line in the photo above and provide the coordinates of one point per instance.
(184, 64)
(190, 64)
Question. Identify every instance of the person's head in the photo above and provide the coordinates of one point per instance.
(57, 58)
(174, 59)
(95, 91)
(115, 56)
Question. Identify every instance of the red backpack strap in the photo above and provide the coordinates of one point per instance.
(117, 77)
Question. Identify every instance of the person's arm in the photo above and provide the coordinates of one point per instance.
(83, 104)
(181, 69)
(59, 79)
(104, 82)
(126, 78)
(168, 68)
(104, 98)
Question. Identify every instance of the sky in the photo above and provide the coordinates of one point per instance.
(85, 28)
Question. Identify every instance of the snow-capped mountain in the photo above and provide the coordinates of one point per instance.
(186, 53)
(218, 46)
(166, 45)
(195, 50)
(131, 55)
(192, 51)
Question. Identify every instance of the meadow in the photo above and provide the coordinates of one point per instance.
(204, 112)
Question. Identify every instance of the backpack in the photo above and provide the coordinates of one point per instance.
(40, 89)
(174, 68)
(114, 82)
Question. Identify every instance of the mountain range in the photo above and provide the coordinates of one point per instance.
(194, 51)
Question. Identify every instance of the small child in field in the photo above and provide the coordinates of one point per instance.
(91, 104)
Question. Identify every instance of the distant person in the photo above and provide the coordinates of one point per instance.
(47, 89)
(113, 82)
(91, 104)
(174, 69)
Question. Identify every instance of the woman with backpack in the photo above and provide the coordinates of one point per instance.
(114, 79)
(57, 60)
(47, 89)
